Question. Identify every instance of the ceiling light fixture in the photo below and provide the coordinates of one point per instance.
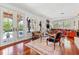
(62, 13)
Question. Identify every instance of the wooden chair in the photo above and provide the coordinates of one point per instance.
(56, 40)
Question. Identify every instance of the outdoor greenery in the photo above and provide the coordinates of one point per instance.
(21, 26)
(7, 24)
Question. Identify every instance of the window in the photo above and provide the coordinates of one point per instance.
(7, 27)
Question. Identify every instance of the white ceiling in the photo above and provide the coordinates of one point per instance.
(51, 10)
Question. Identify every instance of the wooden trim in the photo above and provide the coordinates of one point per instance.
(12, 44)
(9, 15)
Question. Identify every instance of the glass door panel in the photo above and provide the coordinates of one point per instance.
(20, 27)
(21, 30)
(7, 23)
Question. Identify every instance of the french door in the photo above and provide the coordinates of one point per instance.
(7, 27)
(11, 30)
(20, 27)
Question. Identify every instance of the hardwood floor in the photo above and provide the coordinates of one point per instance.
(73, 50)
(67, 48)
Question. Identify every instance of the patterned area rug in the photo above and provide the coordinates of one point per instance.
(42, 48)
